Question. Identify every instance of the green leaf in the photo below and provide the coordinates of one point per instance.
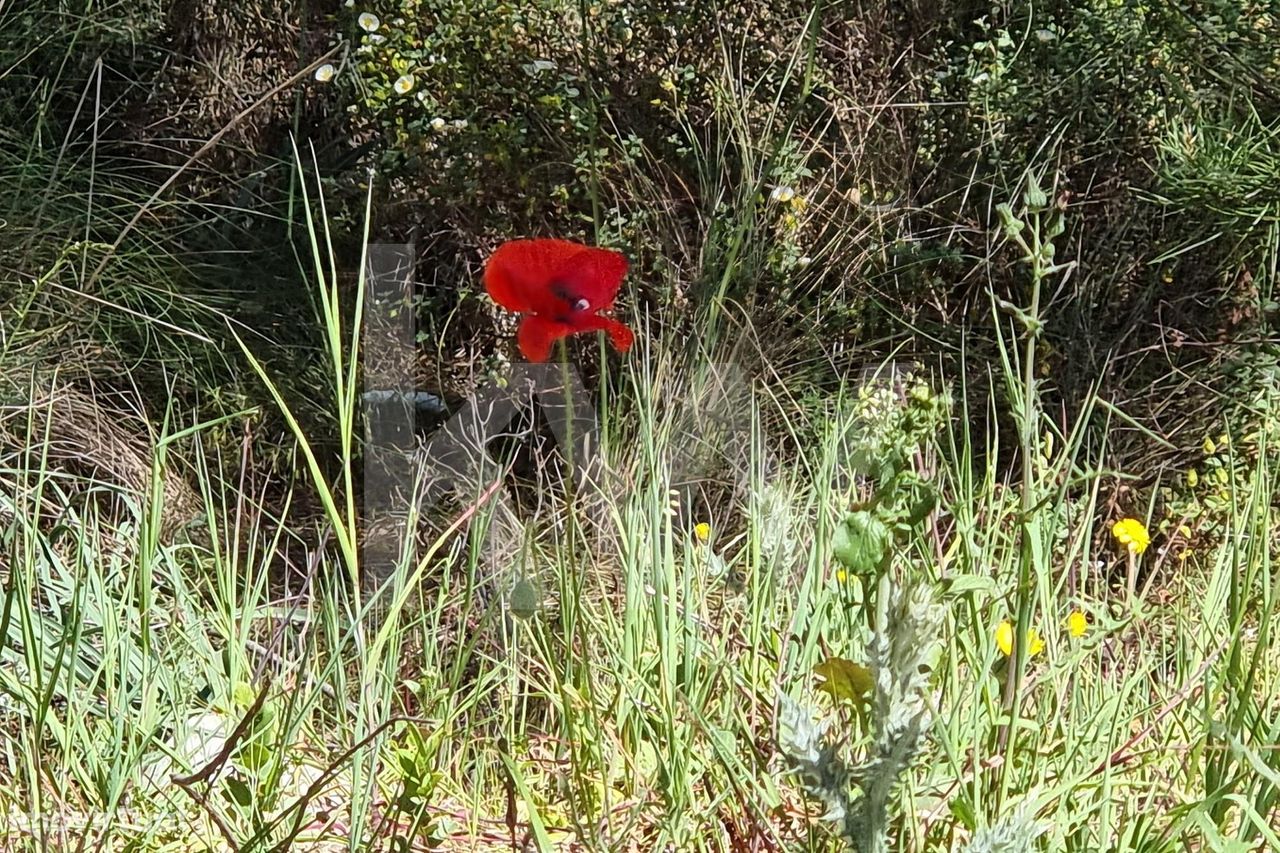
(242, 694)
(962, 584)
(921, 507)
(408, 761)
(239, 791)
(861, 543)
(845, 680)
(524, 599)
(962, 810)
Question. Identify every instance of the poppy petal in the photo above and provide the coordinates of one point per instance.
(621, 336)
(537, 334)
(594, 275)
(518, 275)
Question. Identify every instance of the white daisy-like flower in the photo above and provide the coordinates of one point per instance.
(325, 72)
(782, 194)
(368, 22)
(438, 123)
(404, 84)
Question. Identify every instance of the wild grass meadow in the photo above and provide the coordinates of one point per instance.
(914, 489)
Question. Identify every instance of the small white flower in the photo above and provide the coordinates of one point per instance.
(421, 96)
(460, 123)
(368, 22)
(438, 123)
(804, 261)
(782, 194)
(325, 72)
(404, 85)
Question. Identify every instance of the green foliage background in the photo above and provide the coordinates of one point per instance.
(805, 188)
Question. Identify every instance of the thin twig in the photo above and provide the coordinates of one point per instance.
(313, 790)
(210, 770)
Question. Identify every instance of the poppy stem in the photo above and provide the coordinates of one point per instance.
(566, 388)
(569, 574)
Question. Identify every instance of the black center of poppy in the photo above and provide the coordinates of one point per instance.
(567, 296)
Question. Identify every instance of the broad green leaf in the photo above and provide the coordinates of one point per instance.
(845, 680)
(861, 542)
(523, 599)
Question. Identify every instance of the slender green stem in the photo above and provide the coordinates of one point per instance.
(569, 572)
(1029, 421)
(571, 590)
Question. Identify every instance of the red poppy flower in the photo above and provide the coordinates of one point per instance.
(560, 287)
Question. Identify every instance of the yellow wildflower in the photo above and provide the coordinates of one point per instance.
(1193, 477)
(1077, 623)
(1209, 447)
(1132, 534)
(1004, 639)
(702, 530)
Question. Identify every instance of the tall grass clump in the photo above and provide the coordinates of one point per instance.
(261, 688)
